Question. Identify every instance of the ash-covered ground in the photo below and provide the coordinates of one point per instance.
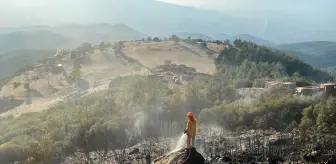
(215, 145)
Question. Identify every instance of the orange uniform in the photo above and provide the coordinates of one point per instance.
(191, 130)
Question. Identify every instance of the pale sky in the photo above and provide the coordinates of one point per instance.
(267, 18)
(16, 11)
(257, 5)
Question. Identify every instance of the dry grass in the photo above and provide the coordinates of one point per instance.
(152, 54)
(216, 47)
(101, 70)
(98, 73)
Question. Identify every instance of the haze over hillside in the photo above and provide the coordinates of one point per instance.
(37, 39)
(25, 45)
(290, 21)
(66, 36)
(95, 33)
(317, 53)
(113, 81)
(13, 61)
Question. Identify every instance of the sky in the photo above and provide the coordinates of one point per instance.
(35, 11)
(258, 5)
(273, 19)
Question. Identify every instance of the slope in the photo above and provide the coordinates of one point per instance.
(62, 76)
(248, 54)
(152, 54)
(245, 37)
(72, 74)
(315, 48)
(185, 35)
(13, 61)
(37, 39)
(317, 53)
(95, 33)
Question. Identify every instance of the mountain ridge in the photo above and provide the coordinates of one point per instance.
(66, 36)
(34, 39)
(317, 53)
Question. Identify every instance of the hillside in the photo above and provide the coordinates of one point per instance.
(317, 53)
(29, 44)
(127, 101)
(95, 33)
(36, 39)
(252, 58)
(223, 37)
(152, 54)
(185, 35)
(13, 61)
(245, 37)
(69, 35)
(317, 48)
(315, 61)
(83, 70)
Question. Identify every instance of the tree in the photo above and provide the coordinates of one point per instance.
(156, 39)
(203, 45)
(86, 48)
(149, 38)
(243, 50)
(218, 42)
(102, 46)
(175, 38)
(167, 62)
(76, 74)
(322, 116)
(226, 42)
(41, 152)
(237, 43)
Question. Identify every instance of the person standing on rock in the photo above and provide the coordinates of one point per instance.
(190, 130)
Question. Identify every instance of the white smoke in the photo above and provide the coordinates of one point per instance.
(180, 143)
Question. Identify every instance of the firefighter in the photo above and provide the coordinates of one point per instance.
(190, 130)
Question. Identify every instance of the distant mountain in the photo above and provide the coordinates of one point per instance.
(99, 32)
(279, 24)
(254, 39)
(32, 43)
(37, 39)
(245, 37)
(222, 37)
(13, 61)
(185, 35)
(66, 36)
(318, 53)
(318, 48)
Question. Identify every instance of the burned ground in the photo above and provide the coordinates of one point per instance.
(251, 147)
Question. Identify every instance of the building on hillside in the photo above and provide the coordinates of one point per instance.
(288, 86)
(309, 90)
(271, 84)
(329, 88)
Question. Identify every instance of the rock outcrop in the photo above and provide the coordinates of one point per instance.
(184, 156)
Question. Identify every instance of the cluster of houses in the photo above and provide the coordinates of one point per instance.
(329, 88)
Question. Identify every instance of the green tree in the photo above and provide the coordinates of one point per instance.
(76, 74)
(322, 116)
(203, 45)
(102, 46)
(175, 38)
(156, 39)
